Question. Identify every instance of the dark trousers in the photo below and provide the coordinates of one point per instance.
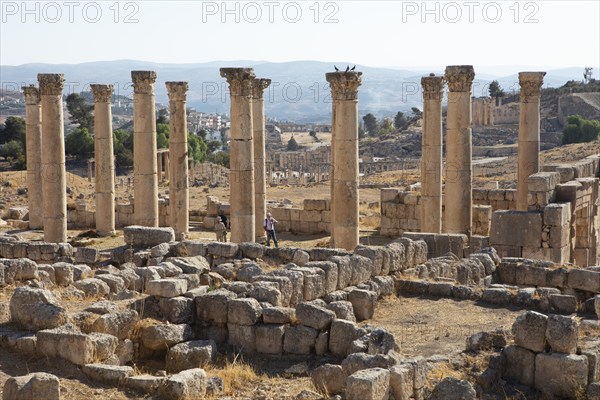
(271, 235)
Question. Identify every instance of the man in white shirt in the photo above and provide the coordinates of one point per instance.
(269, 226)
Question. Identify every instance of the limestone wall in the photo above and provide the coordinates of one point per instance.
(400, 212)
(314, 217)
(498, 199)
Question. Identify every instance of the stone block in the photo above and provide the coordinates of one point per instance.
(557, 214)
(244, 311)
(213, 306)
(166, 287)
(329, 378)
(38, 385)
(361, 268)
(146, 237)
(78, 348)
(562, 333)
(108, 374)
(278, 315)
(119, 324)
(242, 336)
(363, 303)
(188, 355)
(187, 385)
(453, 389)
(522, 364)
(368, 384)
(584, 280)
(330, 270)
(314, 316)
(269, 338)
(543, 181)
(561, 375)
(341, 336)
(516, 228)
(163, 336)
(402, 381)
(563, 303)
(529, 331)
(299, 339)
(36, 309)
(177, 310)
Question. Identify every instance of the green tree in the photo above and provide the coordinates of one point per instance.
(13, 129)
(292, 145)
(81, 113)
(212, 146)
(495, 90)
(370, 123)
(202, 133)
(400, 121)
(196, 148)
(162, 135)
(79, 143)
(12, 151)
(123, 147)
(386, 126)
(162, 116)
(221, 158)
(580, 130)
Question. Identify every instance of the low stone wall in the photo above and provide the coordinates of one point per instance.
(314, 217)
(549, 356)
(498, 199)
(401, 212)
(83, 216)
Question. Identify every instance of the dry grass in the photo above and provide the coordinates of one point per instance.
(237, 376)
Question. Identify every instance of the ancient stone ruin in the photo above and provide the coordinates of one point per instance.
(153, 314)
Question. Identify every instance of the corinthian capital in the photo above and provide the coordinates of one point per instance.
(51, 84)
(433, 87)
(239, 80)
(531, 84)
(102, 93)
(32, 95)
(459, 77)
(143, 81)
(344, 85)
(177, 91)
(258, 87)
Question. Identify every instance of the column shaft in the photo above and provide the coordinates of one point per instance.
(431, 159)
(33, 138)
(54, 183)
(529, 133)
(241, 175)
(458, 209)
(344, 195)
(178, 167)
(145, 183)
(104, 159)
(260, 181)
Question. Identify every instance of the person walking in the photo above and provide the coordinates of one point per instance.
(220, 230)
(269, 226)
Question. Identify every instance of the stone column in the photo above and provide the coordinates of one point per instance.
(159, 166)
(344, 205)
(529, 132)
(178, 169)
(458, 210)
(145, 182)
(33, 138)
(90, 173)
(241, 175)
(167, 163)
(260, 181)
(431, 158)
(54, 182)
(104, 159)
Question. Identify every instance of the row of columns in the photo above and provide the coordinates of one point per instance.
(247, 181)
(458, 172)
(46, 173)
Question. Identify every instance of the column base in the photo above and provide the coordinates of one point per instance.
(105, 233)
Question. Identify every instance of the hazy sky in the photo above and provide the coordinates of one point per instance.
(375, 33)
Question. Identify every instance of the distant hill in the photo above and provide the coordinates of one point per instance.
(299, 91)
